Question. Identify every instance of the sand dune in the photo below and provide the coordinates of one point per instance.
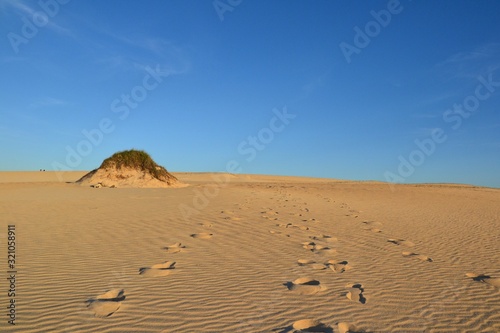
(247, 253)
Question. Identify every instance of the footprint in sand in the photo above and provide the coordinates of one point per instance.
(319, 267)
(233, 218)
(317, 248)
(106, 304)
(372, 223)
(305, 286)
(373, 226)
(311, 263)
(344, 327)
(230, 215)
(401, 242)
(270, 215)
(290, 225)
(338, 266)
(419, 256)
(305, 325)
(305, 262)
(309, 246)
(310, 220)
(202, 235)
(175, 248)
(495, 282)
(206, 225)
(311, 325)
(163, 269)
(275, 232)
(326, 238)
(355, 293)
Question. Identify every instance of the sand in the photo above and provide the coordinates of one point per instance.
(245, 253)
(126, 177)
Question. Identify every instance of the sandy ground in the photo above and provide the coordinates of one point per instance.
(256, 254)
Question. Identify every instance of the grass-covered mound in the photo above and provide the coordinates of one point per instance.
(136, 159)
(129, 168)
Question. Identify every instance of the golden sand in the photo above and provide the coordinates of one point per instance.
(243, 253)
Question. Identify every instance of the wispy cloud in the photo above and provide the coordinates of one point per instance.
(439, 98)
(471, 64)
(23, 9)
(433, 106)
(424, 132)
(156, 46)
(425, 115)
(47, 102)
(136, 53)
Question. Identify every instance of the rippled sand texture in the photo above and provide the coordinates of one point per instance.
(252, 254)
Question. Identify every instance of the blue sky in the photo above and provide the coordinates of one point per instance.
(404, 91)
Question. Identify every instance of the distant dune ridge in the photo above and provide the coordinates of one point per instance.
(130, 168)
